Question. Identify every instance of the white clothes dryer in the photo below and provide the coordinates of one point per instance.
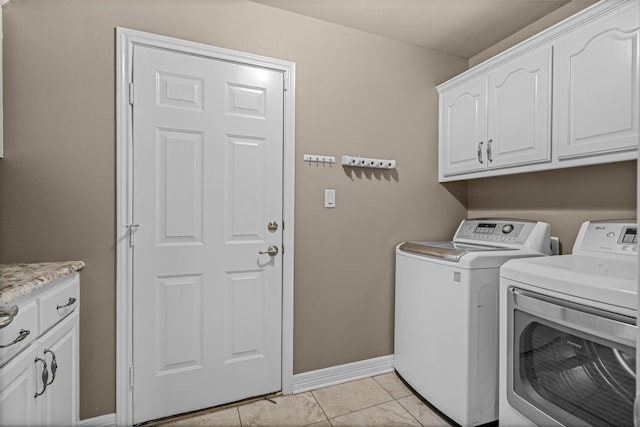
(568, 332)
(446, 316)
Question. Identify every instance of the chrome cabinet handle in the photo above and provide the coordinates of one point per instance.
(54, 366)
(69, 303)
(480, 152)
(7, 313)
(45, 376)
(489, 153)
(21, 335)
(271, 251)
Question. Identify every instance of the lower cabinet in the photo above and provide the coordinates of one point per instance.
(40, 385)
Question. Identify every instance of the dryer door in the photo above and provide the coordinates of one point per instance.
(569, 364)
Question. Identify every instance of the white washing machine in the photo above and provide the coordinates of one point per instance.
(446, 316)
(568, 332)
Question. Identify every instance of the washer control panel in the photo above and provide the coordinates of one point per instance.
(495, 231)
(612, 237)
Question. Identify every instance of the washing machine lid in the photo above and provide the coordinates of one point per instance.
(450, 251)
(599, 279)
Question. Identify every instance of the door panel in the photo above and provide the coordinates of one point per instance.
(596, 76)
(208, 144)
(520, 111)
(60, 401)
(464, 127)
(179, 187)
(17, 388)
(179, 331)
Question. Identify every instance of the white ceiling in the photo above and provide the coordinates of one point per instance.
(462, 28)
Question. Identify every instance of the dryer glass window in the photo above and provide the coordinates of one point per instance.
(575, 378)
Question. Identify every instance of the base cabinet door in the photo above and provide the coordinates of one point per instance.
(18, 407)
(596, 87)
(39, 387)
(59, 348)
(463, 115)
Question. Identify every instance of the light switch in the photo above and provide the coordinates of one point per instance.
(329, 198)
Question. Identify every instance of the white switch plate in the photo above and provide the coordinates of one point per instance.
(329, 198)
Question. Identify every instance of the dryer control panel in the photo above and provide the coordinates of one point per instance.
(608, 237)
(504, 232)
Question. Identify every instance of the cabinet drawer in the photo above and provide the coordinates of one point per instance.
(24, 324)
(59, 302)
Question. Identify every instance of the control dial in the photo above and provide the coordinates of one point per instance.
(507, 228)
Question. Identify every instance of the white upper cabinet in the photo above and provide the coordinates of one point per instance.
(464, 126)
(519, 130)
(499, 119)
(496, 118)
(596, 101)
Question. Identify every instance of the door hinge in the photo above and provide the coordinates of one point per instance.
(132, 228)
(283, 224)
(282, 249)
(131, 377)
(285, 77)
(131, 93)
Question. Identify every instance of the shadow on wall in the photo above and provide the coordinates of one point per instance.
(457, 189)
(598, 187)
(354, 173)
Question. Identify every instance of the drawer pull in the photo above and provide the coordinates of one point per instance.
(7, 314)
(69, 303)
(22, 335)
(45, 376)
(54, 366)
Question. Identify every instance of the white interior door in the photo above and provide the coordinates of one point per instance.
(207, 180)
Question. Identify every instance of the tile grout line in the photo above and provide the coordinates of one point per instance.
(408, 411)
(321, 408)
(391, 398)
(398, 400)
(239, 416)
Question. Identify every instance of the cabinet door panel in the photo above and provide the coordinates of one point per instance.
(17, 389)
(463, 127)
(596, 95)
(60, 401)
(520, 111)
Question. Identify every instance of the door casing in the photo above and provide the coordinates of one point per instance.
(125, 41)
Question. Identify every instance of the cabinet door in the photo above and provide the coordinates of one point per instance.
(59, 404)
(18, 406)
(519, 117)
(596, 87)
(463, 126)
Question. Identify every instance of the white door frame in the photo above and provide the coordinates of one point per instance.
(126, 39)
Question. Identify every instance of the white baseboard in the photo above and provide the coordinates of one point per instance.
(108, 420)
(342, 373)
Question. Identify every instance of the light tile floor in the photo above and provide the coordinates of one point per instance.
(382, 400)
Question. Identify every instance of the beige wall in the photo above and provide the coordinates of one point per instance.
(356, 94)
(564, 198)
(541, 24)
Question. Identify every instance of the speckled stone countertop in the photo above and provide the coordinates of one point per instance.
(17, 280)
